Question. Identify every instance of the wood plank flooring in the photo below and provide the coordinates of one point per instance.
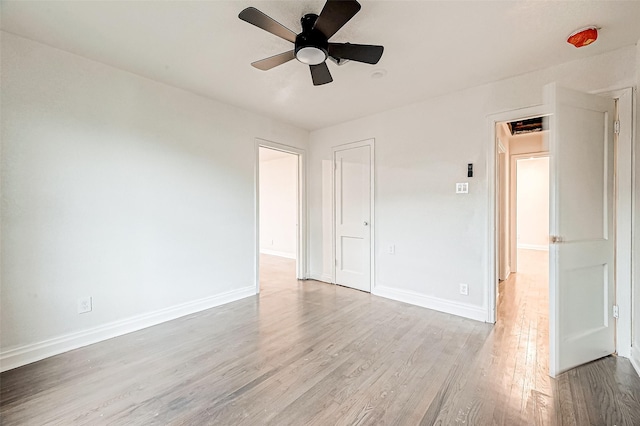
(309, 353)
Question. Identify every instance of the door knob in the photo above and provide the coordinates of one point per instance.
(366, 223)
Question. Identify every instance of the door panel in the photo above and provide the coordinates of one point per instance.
(586, 171)
(582, 327)
(353, 211)
(352, 259)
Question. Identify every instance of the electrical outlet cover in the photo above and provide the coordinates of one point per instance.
(84, 305)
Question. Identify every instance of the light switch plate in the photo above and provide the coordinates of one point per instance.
(462, 188)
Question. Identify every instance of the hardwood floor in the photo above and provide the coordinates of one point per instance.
(313, 353)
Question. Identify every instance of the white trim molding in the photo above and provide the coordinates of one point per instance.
(635, 359)
(27, 354)
(478, 313)
(325, 278)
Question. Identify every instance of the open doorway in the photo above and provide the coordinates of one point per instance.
(281, 216)
(522, 161)
(278, 203)
(589, 138)
(278, 196)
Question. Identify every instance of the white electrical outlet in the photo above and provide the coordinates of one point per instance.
(391, 249)
(464, 289)
(85, 304)
(462, 188)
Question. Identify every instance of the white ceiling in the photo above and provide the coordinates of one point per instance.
(431, 47)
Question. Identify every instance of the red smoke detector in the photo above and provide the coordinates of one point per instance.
(583, 36)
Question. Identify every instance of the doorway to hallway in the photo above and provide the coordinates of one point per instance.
(280, 208)
(278, 203)
(583, 174)
(522, 246)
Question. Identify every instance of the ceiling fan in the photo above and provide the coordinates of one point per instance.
(312, 45)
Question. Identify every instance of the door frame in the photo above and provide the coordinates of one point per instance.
(302, 238)
(493, 202)
(371, 144)
(624, 215)
(624, 209)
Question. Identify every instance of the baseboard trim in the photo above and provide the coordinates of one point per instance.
(533, 247)
(321, 277)
(465, 310)
(635, 359)
(278, 253)
(27, 354)
(506, 276)
(326, 278)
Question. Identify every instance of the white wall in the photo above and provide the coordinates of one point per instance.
(532, 216)
(422, 150)
(121, 188)
(278, 204)
(528, 143)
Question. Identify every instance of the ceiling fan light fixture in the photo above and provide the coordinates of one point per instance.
(311, 55)
(311, 46)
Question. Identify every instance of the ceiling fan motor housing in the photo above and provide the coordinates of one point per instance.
(311, 46)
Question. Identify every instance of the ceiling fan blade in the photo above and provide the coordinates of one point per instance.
(260, 20)
(366, 53)
(320, 74)
(335, 14)
(274, 61)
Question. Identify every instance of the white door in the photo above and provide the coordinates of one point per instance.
(581, 144)
(353, 216)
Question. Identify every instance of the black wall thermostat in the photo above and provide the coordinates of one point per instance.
(470, 170)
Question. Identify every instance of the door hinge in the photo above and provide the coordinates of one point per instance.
(616, 311)
(616, 127)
